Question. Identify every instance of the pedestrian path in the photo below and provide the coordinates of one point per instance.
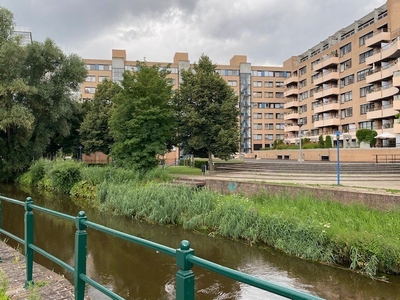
(48, 285)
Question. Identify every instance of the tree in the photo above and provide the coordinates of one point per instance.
(328, 142)
(321, 141)
(207, 112)
(94, 130)
(36, 83)
(366, 136)
(142, 118)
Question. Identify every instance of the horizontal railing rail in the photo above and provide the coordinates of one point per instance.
(184, 256)
(387, 158)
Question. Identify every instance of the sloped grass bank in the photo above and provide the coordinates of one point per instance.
(348, 235)
(353, 236)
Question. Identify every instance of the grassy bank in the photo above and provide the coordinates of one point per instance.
(354, 236)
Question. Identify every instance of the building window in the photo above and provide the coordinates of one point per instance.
(268, 115)
(279, 95)
(269, 136)
(280, 136)
(347, 112)
(280, 126)
(269, 126)
(117, 74)
(366, 125)
(365, 37)
(232, 82)
(257, 136)
(363, 56)
(280, 74)
(348, 96)
(303, 95)
(347, 80)
(257, 116)
(314, 63)
(228, 72)
(257, 126)
(366, 90)
(345, 65)
(257, 83)
(260, 105)
(345, 49)
(279, 84)
(269, 84)
(303, 70)
(90, 78)
(362, 74)
(257, 94)
(102, 78)
(279, 115)
(303, 83)
(275, 105)
(90, 90)
(269, 95)
(303, 108)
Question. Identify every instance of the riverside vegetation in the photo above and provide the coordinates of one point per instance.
(351, 236)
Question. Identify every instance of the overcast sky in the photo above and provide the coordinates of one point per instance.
(267, 31)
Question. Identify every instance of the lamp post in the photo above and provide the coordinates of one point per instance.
(80, 153)
(301, 155)
(337, 157)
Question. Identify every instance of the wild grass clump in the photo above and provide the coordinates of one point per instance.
(319, 230)
(3, 285)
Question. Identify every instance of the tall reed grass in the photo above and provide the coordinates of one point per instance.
(320, 230)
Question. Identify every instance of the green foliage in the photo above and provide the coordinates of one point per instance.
(316, 229)
(197, 163)
(94, 130)
(321, 141)
(311, 146)
(3, 285)
(207, 112)
(63, 175)
(328, 142)
(142, 119)
(37, 171)
(366, 136)
(36, 82)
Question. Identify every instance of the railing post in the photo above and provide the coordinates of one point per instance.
(1, 219)
(80, 255)
(185, 276)
(29, 239)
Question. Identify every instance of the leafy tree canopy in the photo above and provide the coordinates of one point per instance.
(142, 120)
(94, 130)
(36, 83)
(366, 136)
(207, 112)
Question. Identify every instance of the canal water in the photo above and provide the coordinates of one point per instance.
(135, 272)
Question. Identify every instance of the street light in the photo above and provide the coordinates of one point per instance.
(337, 157)
(301, 155)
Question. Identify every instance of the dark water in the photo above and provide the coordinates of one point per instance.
(135, 272)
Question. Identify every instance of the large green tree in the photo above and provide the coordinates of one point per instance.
(36, 83)
(94, 130)
(207, 112)
(142, 119)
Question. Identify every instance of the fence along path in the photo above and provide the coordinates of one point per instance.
(184, 256)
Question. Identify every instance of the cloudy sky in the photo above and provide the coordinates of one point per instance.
(267, 31)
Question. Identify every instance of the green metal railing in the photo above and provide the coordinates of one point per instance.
(184, 256)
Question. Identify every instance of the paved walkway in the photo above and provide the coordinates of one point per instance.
(49, 285)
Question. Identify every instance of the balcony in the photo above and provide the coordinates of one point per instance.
(327, 121)
(327, 61)
(396, 79)
(292, 79)
(327, 76)
(392, 50)
(325, 91)
(375, 95)
(327, 107)
(389, 91)
(291, 91)
(291, 128)
(396, 127)
(291, 103)
(383, 73)
(378, 37)
(374, 58)
(396, 103)
(291, 116)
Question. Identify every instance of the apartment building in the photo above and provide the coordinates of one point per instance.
(260, 92)
(347, 82)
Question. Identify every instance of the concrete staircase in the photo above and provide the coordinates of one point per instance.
(264, 166)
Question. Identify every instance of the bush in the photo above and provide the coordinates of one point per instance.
(37, 171)
(328, 142)
(63, 175)
(311, 146)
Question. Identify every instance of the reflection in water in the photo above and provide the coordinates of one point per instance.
(136, 272)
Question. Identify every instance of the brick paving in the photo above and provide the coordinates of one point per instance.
(49, 285)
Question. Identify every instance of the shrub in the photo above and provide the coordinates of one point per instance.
(328, 142)
(37, 171)
(64, 174)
